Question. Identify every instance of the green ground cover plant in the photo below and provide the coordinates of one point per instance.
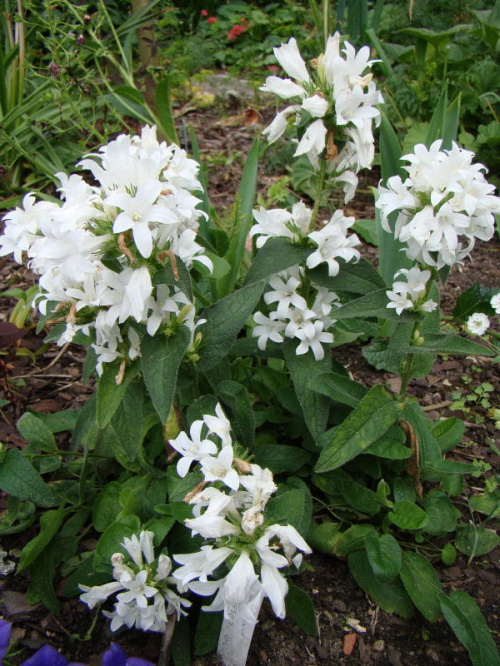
(224, 440)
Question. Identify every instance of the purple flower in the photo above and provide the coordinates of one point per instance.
(5, 628)
(115, 656)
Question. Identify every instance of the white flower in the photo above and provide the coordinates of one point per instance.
(495, 303)
(192, 448)
(220, 468)
(219, 425)
(477, 324)
(200, 565)
(314, 341)
(332, 242)
(268, 328)
(288, 56)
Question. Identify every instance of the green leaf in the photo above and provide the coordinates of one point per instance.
(488, 503)
(111, 541)
(20, 479)
(59, 421)
(407, 516)
(127, 426)
(355, 278)
(106, 506)
(422, 584)
(207, 633)
(243, 220)
(180, 278)
(41, 588)
(224, 321)
(36, 433)
(429, 451)
(464, 617)
(474, 540)
(367, 229)
(292, 507)
(352, 540)
(374, 415)
(181, 652)
(373, 304)
(164, 110)
(315, 407)
(160, 361)
(448, 433)
(441, 513)
(338, 388)
(236, 396)
(384, 555)
(280, 458)
(50, 522)
(391, 445)
(129, 101)
(109, 393)
(474, 299)
(390, 595)
(300, 606)
(448, 344)
(276, 255)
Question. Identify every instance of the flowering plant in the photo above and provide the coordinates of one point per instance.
(217, 356)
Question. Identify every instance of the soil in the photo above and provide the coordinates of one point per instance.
(351, 629)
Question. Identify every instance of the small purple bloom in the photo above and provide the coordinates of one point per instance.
(46, 656)
(5, 628)
(115, 656)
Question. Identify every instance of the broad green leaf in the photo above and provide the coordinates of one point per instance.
(164, 110)
(324, 536)
(59, 421)
(207, 633)
(292, 507)
(391, 445)
(20, 479)
(448, 344)
(390, 595)
(84, 574)
(384, 555)
(448, 433)
(127, 424)
(276, 255)
(280, 458)
(160, 361)
(357, 495)
(355, 278)
(367, 229)
(315, 407)
(50, 521)
(86, 431)
(109, 393)
(488, 503)
(300, 606)
(374, 415)
(391, 256)
(181, 650)
(111, 541)
(474, 299)
(352, 540)
(474, 540)
(41, 587)
(224, 321)
(106, 506)
(236, 396)
(429, 453)
(468, 623)
(407, 516)
(36, 433)
(422, 584)
(373, 304)
(441, 514)
(338, 388)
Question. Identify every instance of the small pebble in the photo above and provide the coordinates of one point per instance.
(379, 646)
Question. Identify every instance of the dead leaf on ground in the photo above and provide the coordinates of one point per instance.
(349, 643)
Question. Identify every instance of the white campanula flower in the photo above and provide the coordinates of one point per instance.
(495, 303)
(444, 205)
(143, 587)
(410, 295)
(193, 448)
(140, 215)
(333, 242)
(478, 323)
(337, 95)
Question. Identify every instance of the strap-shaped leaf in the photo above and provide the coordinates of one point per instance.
(160, 361)
(374, 415)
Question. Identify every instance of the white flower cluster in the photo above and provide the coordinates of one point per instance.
(145, 598)
(445, 203)
(336, 104)
(307, 319)
(231, 515)
(410, 295)
(96, 250)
